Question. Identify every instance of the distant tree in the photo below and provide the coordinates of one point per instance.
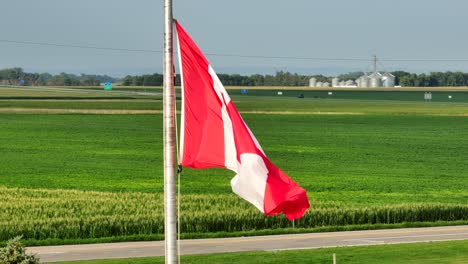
(14, 76)
(257, 79)
(407, 80)
(321, 78)
(90, 81)
(152, 79)
(351, 75)
(127, 80)
(64, 79)
(398, 75)
(438, 78)
(147, 80)
(177, 80)
(269, 80)
(11, 75)
(138, 80)
(455, 79)
(43, 78)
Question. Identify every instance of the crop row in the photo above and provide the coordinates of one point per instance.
(69, 214)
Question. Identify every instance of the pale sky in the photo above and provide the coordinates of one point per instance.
(397, 30)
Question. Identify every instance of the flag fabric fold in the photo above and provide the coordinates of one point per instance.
(214, 135)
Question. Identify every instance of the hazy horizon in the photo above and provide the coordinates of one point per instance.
(399, 30)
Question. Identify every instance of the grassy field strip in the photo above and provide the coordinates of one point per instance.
(386, 89)
(114, 87)
(453, 252)
(136, 111)
(49, 91)
(274, 88)
(50, 94)
(87, 100)
(127, 111)
(259, 102)
(77, 111)
(61, 89)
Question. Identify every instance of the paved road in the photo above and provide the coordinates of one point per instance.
(262, 243)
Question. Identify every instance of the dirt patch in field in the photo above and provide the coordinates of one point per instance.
(462, 114)
(136, 112)
(300, 113)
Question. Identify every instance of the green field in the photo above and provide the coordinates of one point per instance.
(437, 96)
(384, 102)
(75, 93)
(455, 252)
(370, 164)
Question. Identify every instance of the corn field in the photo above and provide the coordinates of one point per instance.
(70, 214)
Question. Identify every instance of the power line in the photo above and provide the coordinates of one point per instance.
(76, 46)
(425, 60)
(287, 57)
(231, 55)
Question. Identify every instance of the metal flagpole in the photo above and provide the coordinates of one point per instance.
(170, 219)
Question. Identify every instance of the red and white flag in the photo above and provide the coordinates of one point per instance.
(213, 134)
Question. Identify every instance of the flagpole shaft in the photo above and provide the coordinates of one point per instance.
(170, 220)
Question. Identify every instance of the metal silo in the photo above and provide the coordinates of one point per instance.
(350, 83)
(326, 84)
(364, 81)
(388, 80)
(312, 82)
(375, 80)
(341, 84)
(335, 82)
(319, 84)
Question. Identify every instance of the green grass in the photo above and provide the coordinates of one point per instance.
(454, 252)
(369, 102)
(358, 170)
(96, 152)
(263, 104)
(400, 163)
(437, 96)
(133, 104)
(312, 105)
(252, 104)
(28, 93)
(352, 159)
(82, 151)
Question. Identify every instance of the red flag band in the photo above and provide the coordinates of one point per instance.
(213, 134)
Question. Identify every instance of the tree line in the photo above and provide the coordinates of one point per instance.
(17, 76)
(432, 79)
(282, 78)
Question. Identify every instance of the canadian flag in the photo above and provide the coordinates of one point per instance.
(213, 134)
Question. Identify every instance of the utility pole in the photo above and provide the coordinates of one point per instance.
(375, 63)
(170, 219)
